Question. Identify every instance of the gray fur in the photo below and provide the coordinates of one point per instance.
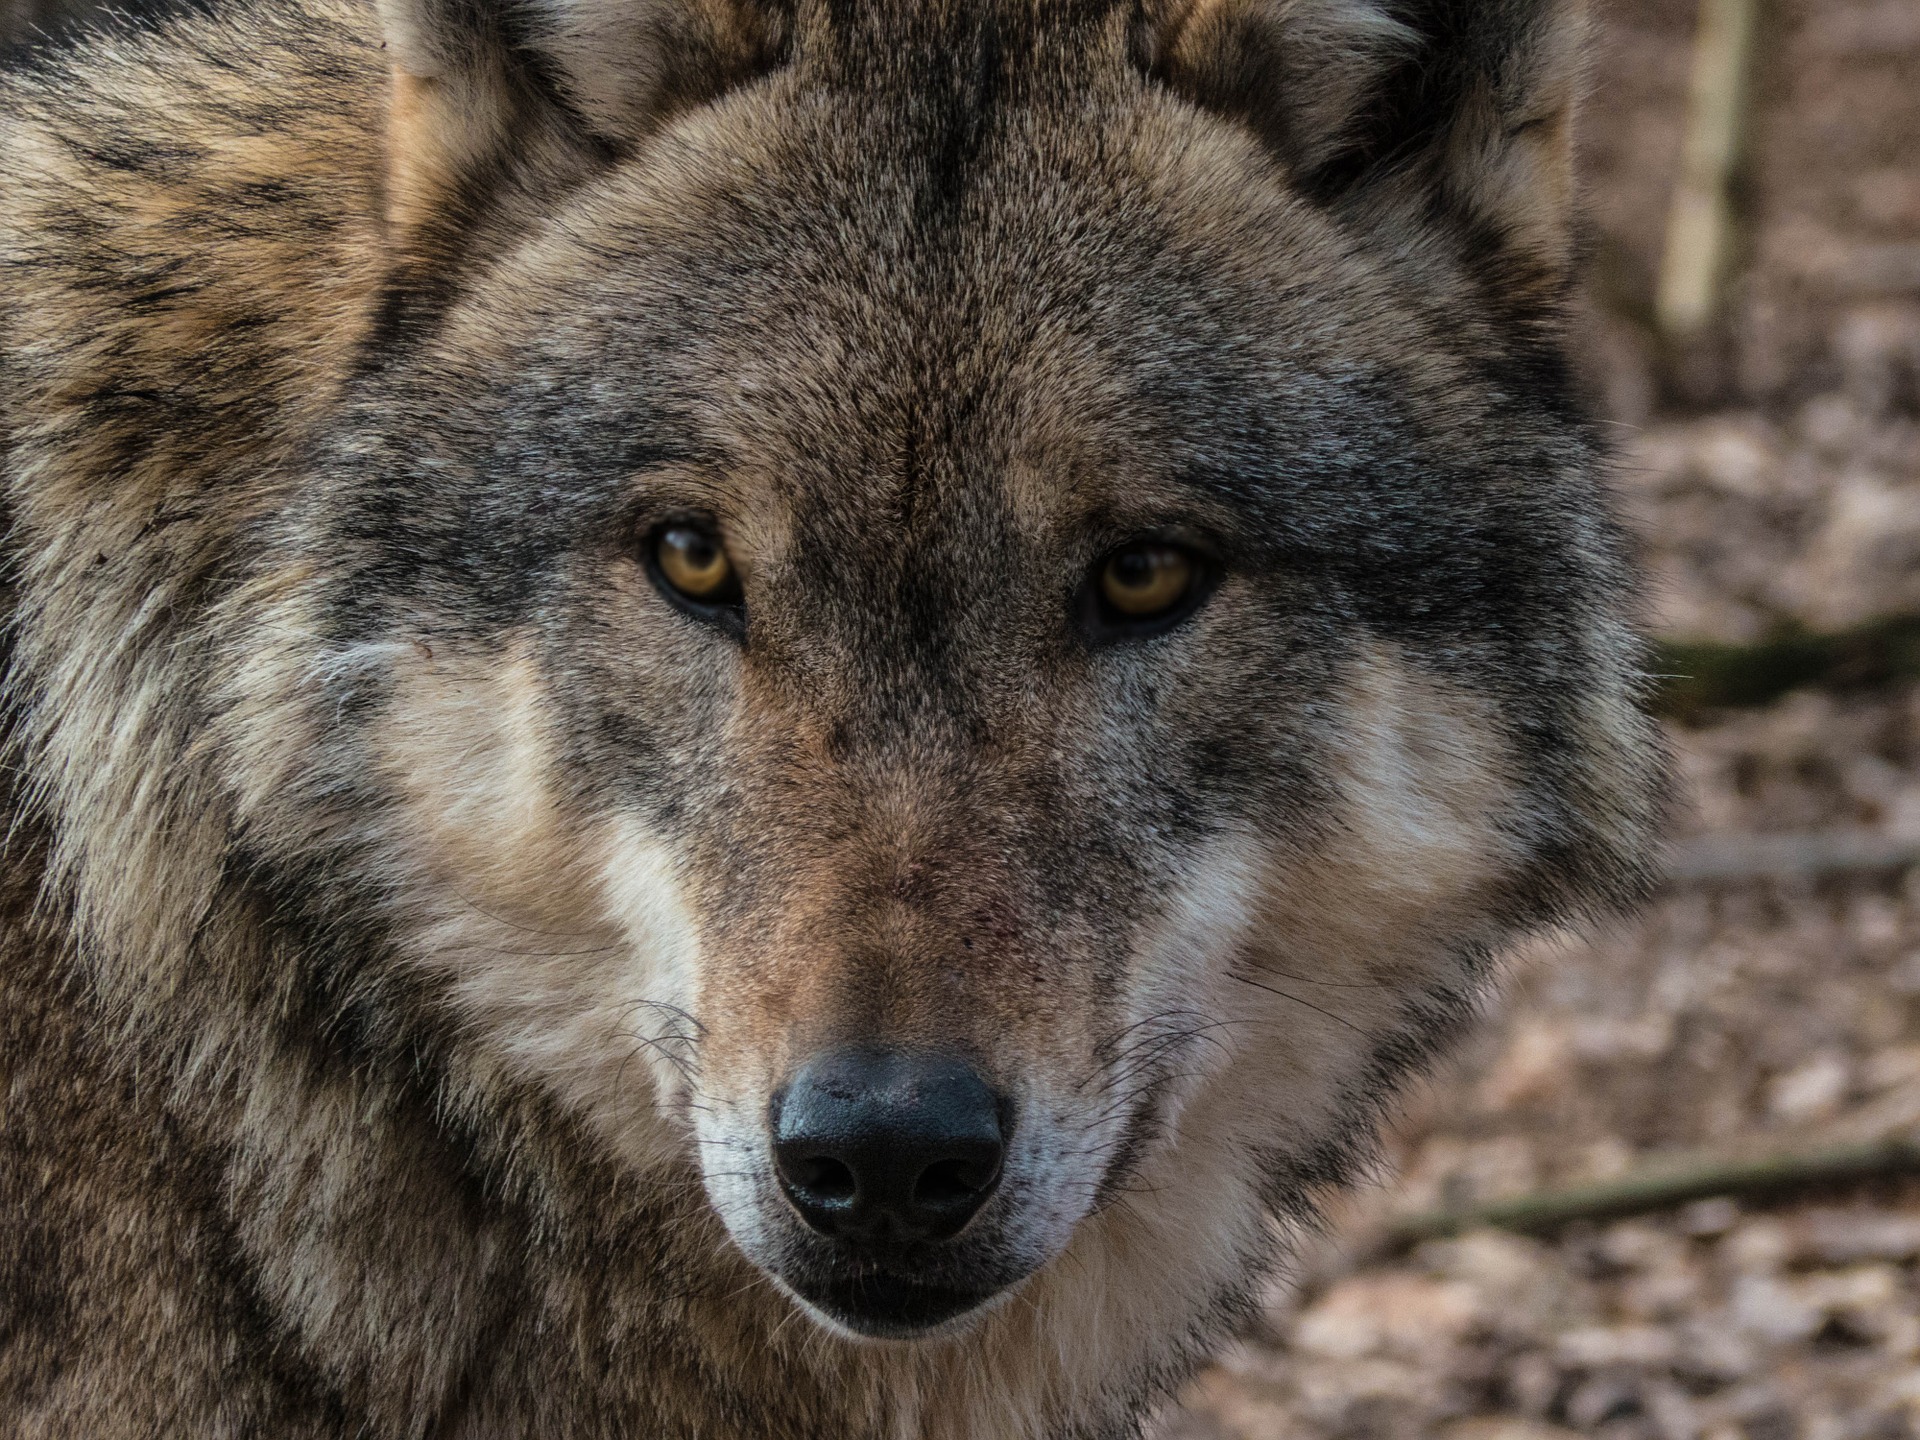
(410, 911)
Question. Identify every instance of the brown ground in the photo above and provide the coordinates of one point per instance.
(1775, 470)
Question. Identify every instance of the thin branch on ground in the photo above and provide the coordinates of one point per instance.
(1697, 677)
(1666, 1187)
(1807, 855)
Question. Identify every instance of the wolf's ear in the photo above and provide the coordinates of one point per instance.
(482, 83)
(1442, 108)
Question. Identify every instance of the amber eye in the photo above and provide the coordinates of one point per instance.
(1142, 582)
(1144, 588)
(693, 563)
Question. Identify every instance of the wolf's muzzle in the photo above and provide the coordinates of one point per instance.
(882, 1149)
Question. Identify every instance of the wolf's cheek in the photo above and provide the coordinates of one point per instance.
(465, 749)
(562, 942)
(1366, 939)
(1428, 824)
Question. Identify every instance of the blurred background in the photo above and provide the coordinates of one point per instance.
(1673, 1189)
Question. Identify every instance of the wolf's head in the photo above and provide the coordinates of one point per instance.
(958, 613)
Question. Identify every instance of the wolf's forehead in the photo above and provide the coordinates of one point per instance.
(1083, 322)
(1048, 349)
(950, 429)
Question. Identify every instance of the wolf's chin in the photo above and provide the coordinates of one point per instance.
(879, 1310)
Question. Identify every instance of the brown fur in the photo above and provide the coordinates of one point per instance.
(409, 912)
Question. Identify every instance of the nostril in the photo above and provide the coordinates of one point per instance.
(826, 1179)
(948, 1183)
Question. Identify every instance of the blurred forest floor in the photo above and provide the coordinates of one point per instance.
(1773, 469)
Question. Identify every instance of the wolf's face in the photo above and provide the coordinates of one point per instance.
(949, 641)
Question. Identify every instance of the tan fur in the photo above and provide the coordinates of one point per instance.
(413, 909)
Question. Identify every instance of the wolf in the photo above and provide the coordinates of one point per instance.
(766, 718)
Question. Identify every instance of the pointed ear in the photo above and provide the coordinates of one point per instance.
(482, 87)
(1432, 111)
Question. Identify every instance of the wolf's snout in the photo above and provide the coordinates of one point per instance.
(880, 1146)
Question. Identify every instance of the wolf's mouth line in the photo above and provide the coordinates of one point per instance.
(904, 1314)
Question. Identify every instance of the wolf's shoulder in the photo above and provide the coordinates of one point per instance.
(124, 1311)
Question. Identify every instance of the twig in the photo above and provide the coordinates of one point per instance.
(1703, 675)
(1700, 223)
(1813, 855)
(1664, 1188)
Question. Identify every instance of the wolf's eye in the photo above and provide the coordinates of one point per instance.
(1143, 588)
(694, 564)
(1144, 580)
(691, 566)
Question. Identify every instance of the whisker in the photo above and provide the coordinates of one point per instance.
(1275, 990)
(1326, 984)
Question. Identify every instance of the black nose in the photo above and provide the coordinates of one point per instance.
(879, 1145)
